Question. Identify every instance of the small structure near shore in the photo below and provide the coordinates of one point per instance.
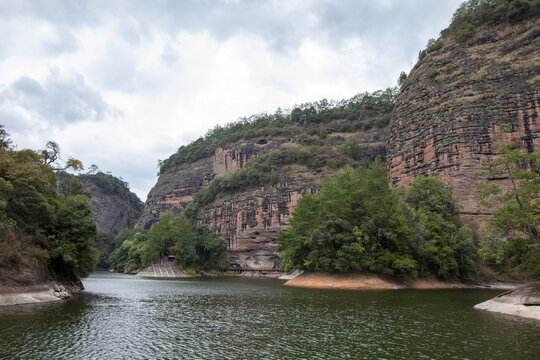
(523, 301)
(165, 270)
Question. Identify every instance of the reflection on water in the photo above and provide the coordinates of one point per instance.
(124, 317)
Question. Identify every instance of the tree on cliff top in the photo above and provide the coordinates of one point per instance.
(473, 14)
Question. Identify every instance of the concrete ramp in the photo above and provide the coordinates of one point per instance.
(166, 270)
(291, 274)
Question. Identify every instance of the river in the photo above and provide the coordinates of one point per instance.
(125, 317)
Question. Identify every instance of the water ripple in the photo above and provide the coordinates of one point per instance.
(123, 317)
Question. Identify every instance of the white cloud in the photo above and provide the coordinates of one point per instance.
(123, 84)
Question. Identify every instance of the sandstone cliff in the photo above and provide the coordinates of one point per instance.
(453, 102)
(250, 219)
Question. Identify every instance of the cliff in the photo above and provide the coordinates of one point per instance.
(453, 102)
(249, 217)
(115, 207)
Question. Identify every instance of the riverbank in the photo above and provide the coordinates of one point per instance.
(358, 281)
(523, 301)
(46, 292)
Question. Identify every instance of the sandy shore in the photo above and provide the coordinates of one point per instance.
(357, 281)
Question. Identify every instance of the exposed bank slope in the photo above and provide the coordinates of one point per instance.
(360, 281)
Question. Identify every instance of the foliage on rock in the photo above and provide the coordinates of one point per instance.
(363, 111)
(357, 223)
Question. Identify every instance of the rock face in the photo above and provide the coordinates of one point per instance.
(453, 103)
(113, 213)
(249, 220)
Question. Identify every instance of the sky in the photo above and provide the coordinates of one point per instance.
(123, 84)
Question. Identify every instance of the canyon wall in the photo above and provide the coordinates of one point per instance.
(453, 102)
(113, 212)
(248, 220)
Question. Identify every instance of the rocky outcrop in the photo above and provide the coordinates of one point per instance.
(453, 103)
(24, 285)
(523, 301)
(249, 220)
(176, 186)
(112, 211)
(366, 281)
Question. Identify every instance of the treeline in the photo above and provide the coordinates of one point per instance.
(43, 224)
(358, 223)
(193, 246)
(474, 14)
(361, 112)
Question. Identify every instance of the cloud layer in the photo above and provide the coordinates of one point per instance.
(121, 84)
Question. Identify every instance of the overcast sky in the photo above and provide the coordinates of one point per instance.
(121, 84)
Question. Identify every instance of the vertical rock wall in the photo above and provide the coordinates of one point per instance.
(453, 103)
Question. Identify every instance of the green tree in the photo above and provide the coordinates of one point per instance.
(76, 229)
(440, 243)
(516, 206)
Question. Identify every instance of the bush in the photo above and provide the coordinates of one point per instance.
(473, 14)
(434, 45)
(402, 78)
(432, 73)
(464, 33)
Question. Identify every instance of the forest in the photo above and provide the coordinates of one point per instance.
(45, 224)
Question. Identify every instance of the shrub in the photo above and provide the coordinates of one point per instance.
(434, 45)
(464, 33)
(402, 78)
(432, 73)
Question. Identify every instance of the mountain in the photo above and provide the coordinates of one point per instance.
(481, 73)
(248, 176)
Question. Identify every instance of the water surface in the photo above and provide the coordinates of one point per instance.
(125, 317)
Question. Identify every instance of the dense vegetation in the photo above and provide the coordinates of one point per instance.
(361, 112)
(41, 224)
(357, 223)
(474, 14)
(192, 245)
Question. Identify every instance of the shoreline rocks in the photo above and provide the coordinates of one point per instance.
(46, 292)
(523, 301)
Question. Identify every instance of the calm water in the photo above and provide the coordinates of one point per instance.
(124, 317)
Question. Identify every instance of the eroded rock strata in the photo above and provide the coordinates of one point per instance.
(452, 105)
(248, 220)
